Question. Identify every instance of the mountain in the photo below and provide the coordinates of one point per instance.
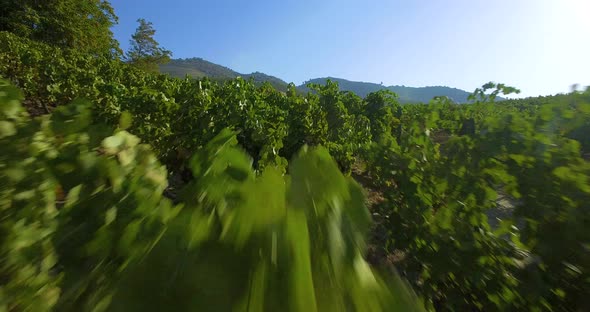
(199, 68)
(406, 94)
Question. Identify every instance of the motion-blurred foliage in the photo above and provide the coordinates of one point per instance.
(481, 206)
(85, 226)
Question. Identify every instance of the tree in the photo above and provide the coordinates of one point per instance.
(83, 25)
(480, 94)
(145, 52)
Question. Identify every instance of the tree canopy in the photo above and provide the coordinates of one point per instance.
(83, 25)
(145, 52)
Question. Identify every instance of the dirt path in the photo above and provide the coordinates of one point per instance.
(374, 196)
(376, 254)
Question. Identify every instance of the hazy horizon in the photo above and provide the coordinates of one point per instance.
(537, 46)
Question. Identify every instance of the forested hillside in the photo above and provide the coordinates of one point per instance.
(405, 94)
(122, 189)
(199, 68)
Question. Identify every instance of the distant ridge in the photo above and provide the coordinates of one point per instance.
(199, 68)
(406, 94)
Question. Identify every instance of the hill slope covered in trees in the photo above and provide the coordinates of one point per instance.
(406, 94)
(200, 68)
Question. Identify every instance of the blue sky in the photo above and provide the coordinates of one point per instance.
(539, 46)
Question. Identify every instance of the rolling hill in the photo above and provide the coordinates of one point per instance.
(406, 94)
(199, 68)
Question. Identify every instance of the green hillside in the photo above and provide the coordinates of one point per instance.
(199, 68)
(406, 94)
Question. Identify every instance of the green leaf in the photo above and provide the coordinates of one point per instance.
(7, 129)
(113, 144)
(125, 121)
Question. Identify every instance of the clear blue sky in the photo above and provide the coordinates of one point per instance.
(539, 46)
